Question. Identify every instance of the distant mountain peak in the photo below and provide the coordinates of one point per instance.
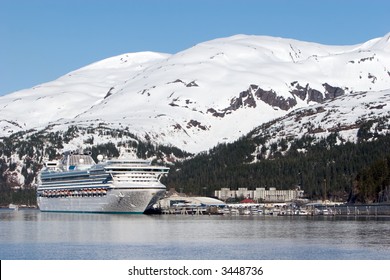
(213, 92)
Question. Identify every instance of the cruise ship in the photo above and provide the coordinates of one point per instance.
(76, 183)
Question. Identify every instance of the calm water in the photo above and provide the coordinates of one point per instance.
(30, 234)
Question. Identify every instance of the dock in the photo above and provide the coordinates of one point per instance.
(258, 210)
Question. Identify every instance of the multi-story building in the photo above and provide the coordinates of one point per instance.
(260, 194)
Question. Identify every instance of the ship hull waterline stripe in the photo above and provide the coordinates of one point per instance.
(92, 212)
(108, 189)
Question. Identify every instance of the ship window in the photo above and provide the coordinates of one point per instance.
(65, 178)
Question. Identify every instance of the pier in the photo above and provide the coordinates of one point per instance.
(185, 211)
(180, 204)
(361, 210)
(279, 209)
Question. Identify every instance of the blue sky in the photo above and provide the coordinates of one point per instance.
(41, 40)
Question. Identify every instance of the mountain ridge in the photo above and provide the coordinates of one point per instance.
(213, 92)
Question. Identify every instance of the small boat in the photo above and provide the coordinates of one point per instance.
(302, 212)
(14, 207)
(326, 212)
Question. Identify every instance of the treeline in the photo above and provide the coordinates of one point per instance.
(17, 196)
(324, 171)
(373, 183)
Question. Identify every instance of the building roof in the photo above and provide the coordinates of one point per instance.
(195, 200)
(247, 200)
(208, 201)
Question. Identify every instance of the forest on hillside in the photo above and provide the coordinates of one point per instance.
(324, 171)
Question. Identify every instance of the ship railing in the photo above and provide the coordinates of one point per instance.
(124, 168)
(135, 178)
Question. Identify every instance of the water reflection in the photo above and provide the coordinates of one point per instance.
(30, 234)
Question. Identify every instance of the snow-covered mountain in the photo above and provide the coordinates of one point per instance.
(213, 92)
(363, 115)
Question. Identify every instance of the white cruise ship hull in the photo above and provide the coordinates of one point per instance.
(115, 201)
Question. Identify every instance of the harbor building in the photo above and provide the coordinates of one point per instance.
(260, 194)
(177, 200)
(185, 205)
